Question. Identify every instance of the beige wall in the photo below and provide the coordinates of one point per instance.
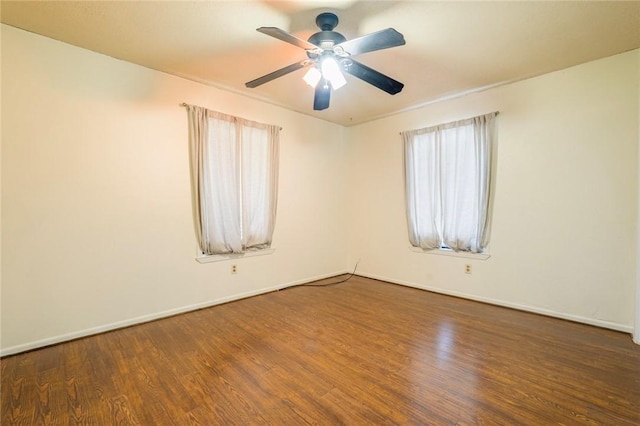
(564, 226)
(636, 328)
(96, 221)
(96, 210)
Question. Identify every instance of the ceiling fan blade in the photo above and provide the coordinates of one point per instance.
(383, 39)
(278, 73)
(322, 96)
(287, 37)
(373, 77)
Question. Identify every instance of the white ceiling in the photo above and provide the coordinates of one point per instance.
(451, 47)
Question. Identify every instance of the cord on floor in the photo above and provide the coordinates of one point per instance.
(331, 283)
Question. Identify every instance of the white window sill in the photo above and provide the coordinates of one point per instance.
(479, 256)
(201, 258)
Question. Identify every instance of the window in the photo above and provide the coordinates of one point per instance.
(448, 184)
(234, 180)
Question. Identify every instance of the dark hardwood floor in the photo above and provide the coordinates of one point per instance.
(358, 353)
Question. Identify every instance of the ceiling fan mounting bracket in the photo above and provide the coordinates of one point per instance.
(327, 21)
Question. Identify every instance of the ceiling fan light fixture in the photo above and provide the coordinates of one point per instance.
(312, 77)
(331, 71)
(329, 55)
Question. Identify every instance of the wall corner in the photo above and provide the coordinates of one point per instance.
(636, 322)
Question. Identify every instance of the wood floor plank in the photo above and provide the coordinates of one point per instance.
(361, 352)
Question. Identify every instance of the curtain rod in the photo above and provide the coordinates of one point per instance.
(454, 122)
(184, 104)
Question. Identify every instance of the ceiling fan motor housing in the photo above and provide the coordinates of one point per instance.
(326, 39)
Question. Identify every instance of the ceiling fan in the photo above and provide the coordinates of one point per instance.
(329, 53)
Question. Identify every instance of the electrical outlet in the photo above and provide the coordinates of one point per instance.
(234, 269)
(467, 268)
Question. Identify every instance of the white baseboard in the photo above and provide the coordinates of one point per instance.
(155, 316)
(497, 302)
(171, 312)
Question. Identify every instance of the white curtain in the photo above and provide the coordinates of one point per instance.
(448, 184)
(234, 176)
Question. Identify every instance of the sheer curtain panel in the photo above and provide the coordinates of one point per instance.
(234, 181)
(448, 184)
